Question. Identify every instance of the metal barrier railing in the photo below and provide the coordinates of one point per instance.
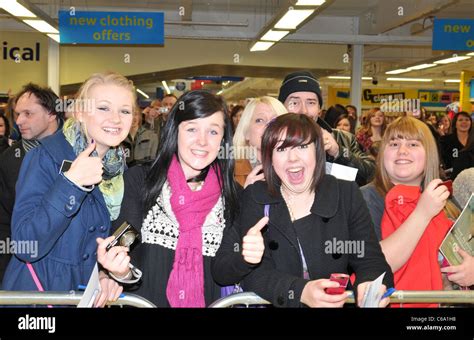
(400, 296)
(72, 298)
(433, 296)
(245, 298)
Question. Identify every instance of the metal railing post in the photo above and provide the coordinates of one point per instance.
(401, 296)
(71, 298)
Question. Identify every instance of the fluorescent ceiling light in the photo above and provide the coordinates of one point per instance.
(472, 53)
(293, 18)
(421, 67)
(165, 85)
(451, 60)
(272, 35)
(310, 2)
(410, 79)
(55, 37)
(143, 93)
(347, 78)
(41, 26)
(400, 70)
(411, 68)
(16, 9)
(452, 81)
(261, 46)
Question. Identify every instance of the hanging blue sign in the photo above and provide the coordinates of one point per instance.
(125, 28)
(453, 34)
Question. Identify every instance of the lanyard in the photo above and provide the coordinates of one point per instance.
(305, 266)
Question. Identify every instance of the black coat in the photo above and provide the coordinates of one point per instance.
(450, 149)
(464, 161)
(155, 261)
(351, 155)
(10, 163)
(3, 144)
(338, 211)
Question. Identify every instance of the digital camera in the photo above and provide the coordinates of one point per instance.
(125, 236)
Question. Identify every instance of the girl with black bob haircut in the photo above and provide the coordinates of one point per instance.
(181, 205)
(307, 211)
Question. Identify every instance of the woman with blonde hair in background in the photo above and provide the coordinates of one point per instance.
(248, 137)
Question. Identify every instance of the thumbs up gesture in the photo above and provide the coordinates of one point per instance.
(252, 243)
(85, 170)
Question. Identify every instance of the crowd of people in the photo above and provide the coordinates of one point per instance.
(226, 197)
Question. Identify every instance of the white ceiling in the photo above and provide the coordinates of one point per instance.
(243, 19)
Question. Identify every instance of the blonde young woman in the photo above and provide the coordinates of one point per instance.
(64, 210)
(248, 137)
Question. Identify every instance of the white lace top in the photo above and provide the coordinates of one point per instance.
(161, 227)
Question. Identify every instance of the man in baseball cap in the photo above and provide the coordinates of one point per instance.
(300, 93)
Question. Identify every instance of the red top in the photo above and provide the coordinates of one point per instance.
(421, 271)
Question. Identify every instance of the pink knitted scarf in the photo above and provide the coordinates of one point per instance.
(186, 282)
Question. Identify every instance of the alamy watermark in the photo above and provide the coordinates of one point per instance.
(399, 105)
(75, 105)
(28, 322)
(345, 247)
(24, 247)
(238, 152)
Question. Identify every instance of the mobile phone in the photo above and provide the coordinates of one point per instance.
(449, 185)
(342, 279)
(323, 124)
(65, 166)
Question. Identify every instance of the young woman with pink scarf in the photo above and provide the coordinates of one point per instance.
(181, 204)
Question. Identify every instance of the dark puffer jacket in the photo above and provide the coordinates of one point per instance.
(351, 155)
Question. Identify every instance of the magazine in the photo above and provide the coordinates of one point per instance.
(460, 235)
(372, 297)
